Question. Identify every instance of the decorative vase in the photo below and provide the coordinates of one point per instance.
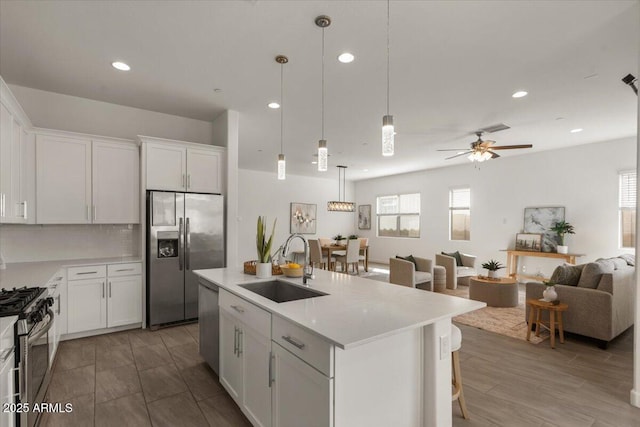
(563, 249)
(492, 274)
(263, 270)
(550, 294)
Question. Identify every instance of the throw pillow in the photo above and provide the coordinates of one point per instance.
(566, 275)
(591, 274)
(619, 263)
(409, 258)
(456, 256)
(630, 259)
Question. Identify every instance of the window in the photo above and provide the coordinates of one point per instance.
(460, 214)
(399, 215)
(627, 208)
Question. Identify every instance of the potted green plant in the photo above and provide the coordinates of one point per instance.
(339, 238)
(353, 237)
(492, 267)
(561, 228)
(549, 293)
(263, 245)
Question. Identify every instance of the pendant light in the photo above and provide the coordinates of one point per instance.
(387, 120)
(282, 166)
(340, 205)
(323, 22)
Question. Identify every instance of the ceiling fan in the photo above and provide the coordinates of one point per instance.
(483, 150)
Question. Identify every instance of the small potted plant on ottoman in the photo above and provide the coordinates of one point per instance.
(492, 267)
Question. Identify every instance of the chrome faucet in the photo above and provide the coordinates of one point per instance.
(285, 248)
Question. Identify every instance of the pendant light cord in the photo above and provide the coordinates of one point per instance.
(322, 83)
(388, 8)
(281, 109)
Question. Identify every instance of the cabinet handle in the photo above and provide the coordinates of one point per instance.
(6, 354)
(240, 334)
(58, 278)
(180, 244)
(183, 181)
(125, 269)
(58, 305)
(189, 181)
(293, 341)
(2, 205)
(102, 290)
(235, 340)
(86, 272)
(271, 378)
(109, 288)
(238, 308)
(24, 210)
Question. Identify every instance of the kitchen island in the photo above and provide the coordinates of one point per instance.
(365, 354)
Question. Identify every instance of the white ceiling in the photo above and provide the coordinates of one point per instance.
(454, 66)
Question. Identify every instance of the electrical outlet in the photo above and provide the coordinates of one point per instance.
(445, 346)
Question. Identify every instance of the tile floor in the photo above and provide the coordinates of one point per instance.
(139, 378)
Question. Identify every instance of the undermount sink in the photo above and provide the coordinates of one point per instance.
(278, 291)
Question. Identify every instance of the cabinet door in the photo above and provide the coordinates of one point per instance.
(63, 180)
(230, 362)
(124, 300)
(87, 308)
(299, 392)
(12, 202)
(166, 167)
(204, 170)
(115, 183)
(7, 389)
(6, 120)
(255, 351)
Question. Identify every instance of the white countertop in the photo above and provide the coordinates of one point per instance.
(38, 273)
(356, 311)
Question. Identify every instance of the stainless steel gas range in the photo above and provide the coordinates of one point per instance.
(32, 362)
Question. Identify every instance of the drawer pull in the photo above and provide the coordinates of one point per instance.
(293, 341)
(6, 354)
(58, 278)
(238, 308)
(87, 272)
(125, 269)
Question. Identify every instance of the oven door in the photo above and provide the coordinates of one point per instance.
(36, 368)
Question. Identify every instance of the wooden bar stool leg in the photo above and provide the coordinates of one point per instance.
(552, 327)
(532, 312)
(457, 384)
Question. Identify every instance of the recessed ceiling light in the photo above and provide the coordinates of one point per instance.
(365, 170)
(217, 90)
(346, 57)
(120, 66)
(576, 130)
(520, 94)
(274, 105)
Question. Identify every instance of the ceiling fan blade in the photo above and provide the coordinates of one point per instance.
(454, 149)
(494, 155)
(510, 147)
(486, 143)
(458, 155)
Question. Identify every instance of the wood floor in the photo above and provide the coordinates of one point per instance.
(139, 378)
(144, 378)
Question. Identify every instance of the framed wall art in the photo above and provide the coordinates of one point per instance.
(529, 242)
(540, 220)
(364, 217)
(303, 218)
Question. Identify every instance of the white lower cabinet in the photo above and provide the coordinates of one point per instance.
(300, 392)
(7, 388)
(245, 353)
(104, 296)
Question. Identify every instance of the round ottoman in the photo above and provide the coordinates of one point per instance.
(502, 292)
(439, 278)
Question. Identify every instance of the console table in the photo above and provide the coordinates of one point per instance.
(513, 255)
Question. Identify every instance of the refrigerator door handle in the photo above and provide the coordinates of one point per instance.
(187, 251)
(180, 243)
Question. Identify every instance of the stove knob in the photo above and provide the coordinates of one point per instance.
(49, 301)
(36, 316)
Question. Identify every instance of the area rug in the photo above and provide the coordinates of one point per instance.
(508, 321)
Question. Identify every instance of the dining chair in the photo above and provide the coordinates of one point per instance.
(317, 257)
(362, 256)
(350, 257)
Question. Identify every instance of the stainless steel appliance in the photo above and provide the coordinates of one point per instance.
(185, 232)
(35, 318)
(209, 321)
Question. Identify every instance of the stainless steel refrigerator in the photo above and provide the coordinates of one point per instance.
(185, 232)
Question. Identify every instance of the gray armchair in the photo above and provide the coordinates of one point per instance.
(457, 274)
(405, 273)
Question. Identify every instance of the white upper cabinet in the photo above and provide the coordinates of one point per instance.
(183, 166)
(63, 180)
(115, 183)
(14, 163)
(80, 180)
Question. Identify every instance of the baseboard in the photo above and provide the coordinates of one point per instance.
(635, 398)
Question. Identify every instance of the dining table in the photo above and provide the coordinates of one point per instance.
(330, 249)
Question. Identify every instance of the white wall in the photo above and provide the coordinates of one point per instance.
(25, 243)
(64, 112)
(260, 193)
(583, 179)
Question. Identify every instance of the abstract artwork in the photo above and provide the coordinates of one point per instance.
(303, 218)
(364, 217)
(540, 220)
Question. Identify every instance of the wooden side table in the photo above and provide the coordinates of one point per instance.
(535, 314)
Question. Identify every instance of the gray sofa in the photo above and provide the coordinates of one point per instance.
(600, 296)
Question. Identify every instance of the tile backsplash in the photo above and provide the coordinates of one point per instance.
(23, 243)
